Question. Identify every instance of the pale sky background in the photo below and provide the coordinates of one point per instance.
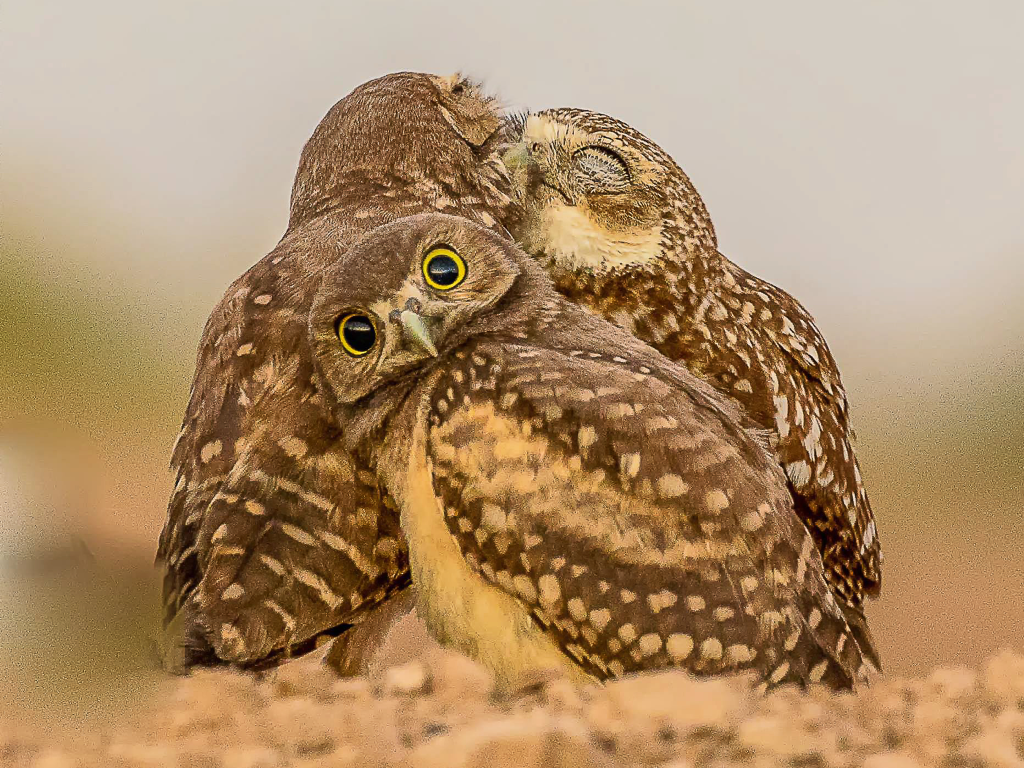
(868, 157)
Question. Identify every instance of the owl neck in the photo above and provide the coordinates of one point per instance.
(367, 421)
(572, 240)
(678, 279)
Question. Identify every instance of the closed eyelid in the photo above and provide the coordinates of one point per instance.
(601, 164)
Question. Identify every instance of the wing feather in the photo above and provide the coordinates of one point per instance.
(274, 532)
(640, 525)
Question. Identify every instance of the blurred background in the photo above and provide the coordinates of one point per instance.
(867, 157)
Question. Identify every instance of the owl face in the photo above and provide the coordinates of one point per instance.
(596, 194)
(404, 297)
(560, 160)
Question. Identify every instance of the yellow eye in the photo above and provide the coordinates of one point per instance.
(443, 268)
(356, 333)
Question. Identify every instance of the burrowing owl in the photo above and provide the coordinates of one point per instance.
(274, 532)
(570, 497)
(622, 231)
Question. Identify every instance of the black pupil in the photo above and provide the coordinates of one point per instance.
(359, 334)
(443, 270)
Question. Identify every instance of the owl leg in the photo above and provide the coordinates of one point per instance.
(351, 653)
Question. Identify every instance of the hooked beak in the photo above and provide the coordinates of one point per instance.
(416, 331)
(518, 157)
(527, 173)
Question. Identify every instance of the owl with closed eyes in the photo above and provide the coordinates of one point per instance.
(276, 533)
(622, 231)
(570, 497)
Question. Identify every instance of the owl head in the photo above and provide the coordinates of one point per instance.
(402, 128)
(409, 293)
(598, 195)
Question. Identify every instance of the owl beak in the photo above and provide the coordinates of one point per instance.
(526, 172)
(522, 165)
(416, 331)
(518, 157)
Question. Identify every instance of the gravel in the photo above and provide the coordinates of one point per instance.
(440, 711)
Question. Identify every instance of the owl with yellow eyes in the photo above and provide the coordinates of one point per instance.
(622, 231)
(275, 534)
(570, 498)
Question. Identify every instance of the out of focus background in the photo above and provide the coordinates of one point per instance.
(867, 157)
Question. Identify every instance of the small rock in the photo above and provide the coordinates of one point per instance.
(303, 677)
(350, 688)
(524, 740)
(456, 677)
(407, 680)
(997, 748)
(676, 697)
(778, 736)
(1003, 678)
(953, 682)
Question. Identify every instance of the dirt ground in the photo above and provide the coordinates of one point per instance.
(440, 711)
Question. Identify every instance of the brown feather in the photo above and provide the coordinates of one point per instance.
(274, 532)
(619, 503)
(749, 339)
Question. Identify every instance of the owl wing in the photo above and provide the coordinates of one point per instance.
(273, 533)
(817, 449)
(640, 527)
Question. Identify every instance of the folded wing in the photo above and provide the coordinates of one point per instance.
(639, 524)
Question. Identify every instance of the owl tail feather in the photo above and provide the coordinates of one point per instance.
(825, 651)
(847, 662)
(859, 629)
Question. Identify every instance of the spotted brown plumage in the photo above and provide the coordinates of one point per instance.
(622, 231)
(274, 532)
(571, 498)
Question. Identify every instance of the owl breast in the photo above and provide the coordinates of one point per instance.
(458, 606)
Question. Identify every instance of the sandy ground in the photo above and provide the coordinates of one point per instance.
(440, 710)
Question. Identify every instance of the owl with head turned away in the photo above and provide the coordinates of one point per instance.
(622, 231)
(275, 533)
(571, 498)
